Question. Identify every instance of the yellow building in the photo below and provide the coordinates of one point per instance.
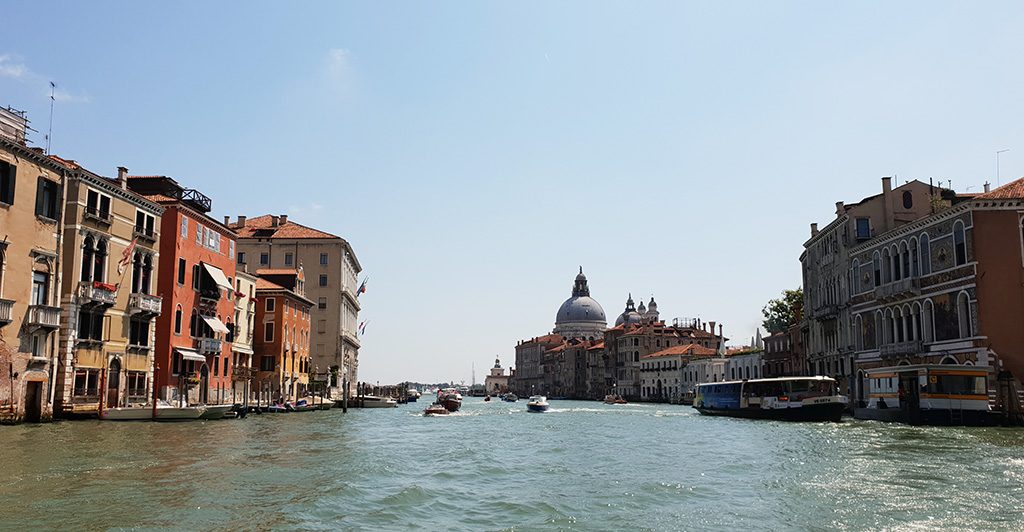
(109, 260)
(31, 185)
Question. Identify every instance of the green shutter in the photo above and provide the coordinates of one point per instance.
(40, 193)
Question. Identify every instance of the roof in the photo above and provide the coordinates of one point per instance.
(263, 284)
(289, 229)
(598, 345)
(277, 271)
(1011, 190)
(688, 349)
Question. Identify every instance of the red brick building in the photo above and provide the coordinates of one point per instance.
(196, 272)
(281, 344)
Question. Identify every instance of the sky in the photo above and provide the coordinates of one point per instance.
(476, 154)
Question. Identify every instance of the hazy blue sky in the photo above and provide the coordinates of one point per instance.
(475, 154)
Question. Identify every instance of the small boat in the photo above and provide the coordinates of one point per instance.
(168, 412)
(277, 408)
(216, 411)
(487, 398)
(128, 413)
(782, 398)
(450, 399)
(537, 403)
(412, 394)
(303, 405)
(614, 399)
(435, 409)
(509, 398)
(325, 405)
(376, 401)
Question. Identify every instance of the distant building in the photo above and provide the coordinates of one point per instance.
(662, 374)
(783, 353)
(497, 381)
(580, 316)
(282, 346)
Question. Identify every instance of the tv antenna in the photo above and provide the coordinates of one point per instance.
(997, 163)
(49, 131)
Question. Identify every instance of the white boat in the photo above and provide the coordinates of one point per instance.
(128, 413)
(168, 412)
(215, 411)
(376, 401)
(537, 403)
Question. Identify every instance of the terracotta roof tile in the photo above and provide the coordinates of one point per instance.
(1011, 190)
(277, 271)
(288, 229)
(263, 284)
(688, 349)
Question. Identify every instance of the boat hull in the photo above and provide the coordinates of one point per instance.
(144, 413)
(814, 412)
(934, 417)
(216, 411)
(451, 405)
(184, 413)
(537, 408)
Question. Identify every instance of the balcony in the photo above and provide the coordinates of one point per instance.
(43, 317)
(144, 235)
(903, 287)
(6, 311)
(208, 346)
(826, 311)
(902, 348)
(241, 373)
(98, 216)
(146, 304)
(96, 293)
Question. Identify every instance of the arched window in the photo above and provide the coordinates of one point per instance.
(905, 260)
(177, 320)
(886, 266)
(898, 330)
(908, 200)
(926, 254)
(855, 276)
(193, 325)
(928, 317)
(100, 263)
(915, 260)
(960, 243)
(949, 359)
(918, 332)
(137, 273)
(895, 263)
(876, 262)
(147, 274)
(963, 313)
(87, 258)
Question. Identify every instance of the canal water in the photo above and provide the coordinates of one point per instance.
(493, 466)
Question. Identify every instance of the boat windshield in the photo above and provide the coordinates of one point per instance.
(796, 390)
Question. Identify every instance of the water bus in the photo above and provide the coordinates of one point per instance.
(782, 398)
(927, 394)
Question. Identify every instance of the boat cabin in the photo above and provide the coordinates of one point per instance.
(927, 394)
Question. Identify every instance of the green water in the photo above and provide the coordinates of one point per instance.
(583, 465)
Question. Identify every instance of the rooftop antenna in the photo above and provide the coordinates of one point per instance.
(49, 131)
(997, 164)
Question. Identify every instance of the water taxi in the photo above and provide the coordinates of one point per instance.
(537, 403)
(377, 401)
(450, 398)
(614, 399)
(927, 394)
(783, 398)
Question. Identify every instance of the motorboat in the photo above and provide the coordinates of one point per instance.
(168, 412)
(487, 398)
(412, 394)
(128, 413)
(450, 398)
(216, 411)
(376, 401)
(509, 398)
(537, 403)
(278, 408)
(435, 409)
(302, 405)
(614, 399)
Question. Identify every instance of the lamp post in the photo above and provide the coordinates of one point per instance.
(997, 164)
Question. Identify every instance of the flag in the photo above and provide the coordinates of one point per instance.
(126, 257)
(362, 327)
(362, 287)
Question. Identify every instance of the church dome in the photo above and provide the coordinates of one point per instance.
(630, 315)
(580, 315)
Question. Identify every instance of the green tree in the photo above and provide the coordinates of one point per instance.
(781, 313)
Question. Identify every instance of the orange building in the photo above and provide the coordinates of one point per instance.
(196, 271)
(281, 345)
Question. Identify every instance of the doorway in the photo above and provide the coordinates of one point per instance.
(204, 384)
(113, 384)
(33, 401)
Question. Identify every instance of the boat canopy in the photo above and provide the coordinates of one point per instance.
(189, 354)
(218, 276)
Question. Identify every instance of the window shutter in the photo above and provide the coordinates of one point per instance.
(12, 175)
(40, 190)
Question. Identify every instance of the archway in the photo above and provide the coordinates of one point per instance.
(114, 384)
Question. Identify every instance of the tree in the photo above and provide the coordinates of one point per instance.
(781, 313)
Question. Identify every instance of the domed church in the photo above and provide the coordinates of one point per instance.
(581, 316)
(633, 315)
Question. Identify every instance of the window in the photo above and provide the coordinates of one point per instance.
(231, 247)
(196, 276)
(144, 224)
(241, 257)
(47, 198)
(87, 258)
(963, 312)
(8, 176)
(264, 259)
(138, 333)
(269, 305)
(321, 326)
(289, 259)
(216, 365)
(40, 288)
(926, 255)
(876, 263)
(908, 200)
(184, 227)
(323, 259)
(863, 228)
(268, 331)
(199, 234)
(266, 363)
(323, 280)
(97, 204)
(855, 277)
(181, 271)
(90, 326)
(960, 243)
(100, 262)
(177, 320)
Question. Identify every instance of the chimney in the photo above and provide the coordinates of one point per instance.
(241, 221)
(227, 220)
(284, 219)
(814, 230)
(273, 221)
(712, 324)
(839, 208)
(887, 203)
(986, 187)
(122, 177)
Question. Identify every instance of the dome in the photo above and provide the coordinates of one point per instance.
(630, 316)
(582, 308)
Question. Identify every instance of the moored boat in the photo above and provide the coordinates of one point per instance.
(128, 413)
(216, 411)
(303, 405)
(376, 401)
(783, 398)
(168, 412)
(927, 394)
(537, 403)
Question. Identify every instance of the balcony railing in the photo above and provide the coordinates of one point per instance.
(826, 311)
(43, 316)
(6, 311)
(241, 373)
(142, 234)
(909, 286)
(902, 348)
(139, 303)
(103, 217)
(96, 293)
(208, 345)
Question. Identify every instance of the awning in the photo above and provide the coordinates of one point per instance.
(189, 354)
(238, 348)
(216, 324)
(218, 276)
